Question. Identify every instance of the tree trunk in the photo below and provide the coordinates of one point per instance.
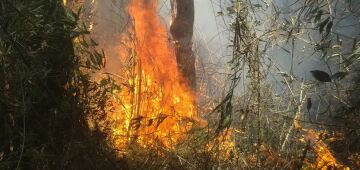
(182, 31)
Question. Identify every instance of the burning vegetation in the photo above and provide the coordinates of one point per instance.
(126, 91)
(155, 105)
(324, 156)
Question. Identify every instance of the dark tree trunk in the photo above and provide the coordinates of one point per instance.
(182, 31)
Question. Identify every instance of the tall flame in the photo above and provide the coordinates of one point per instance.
(156, 107)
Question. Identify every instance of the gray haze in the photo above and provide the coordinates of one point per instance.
(211, 39)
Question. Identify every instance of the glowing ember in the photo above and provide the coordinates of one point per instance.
(154, 107)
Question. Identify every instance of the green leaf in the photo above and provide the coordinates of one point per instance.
(321, 76)
(225, 117)
(257, 5)
(328, 27)
(323, 24)
(309, 104)
(318, 15)
(339, 75)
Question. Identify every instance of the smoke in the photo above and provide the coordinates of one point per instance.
(111, 20)
(212, 37)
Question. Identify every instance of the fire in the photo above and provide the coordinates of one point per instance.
(324, 157)
(222, 146)
(155, 105)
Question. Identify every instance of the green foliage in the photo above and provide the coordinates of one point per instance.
(47, 96)
(321, 76)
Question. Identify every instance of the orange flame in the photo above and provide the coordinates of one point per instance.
(324, 157)
(156, 107)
